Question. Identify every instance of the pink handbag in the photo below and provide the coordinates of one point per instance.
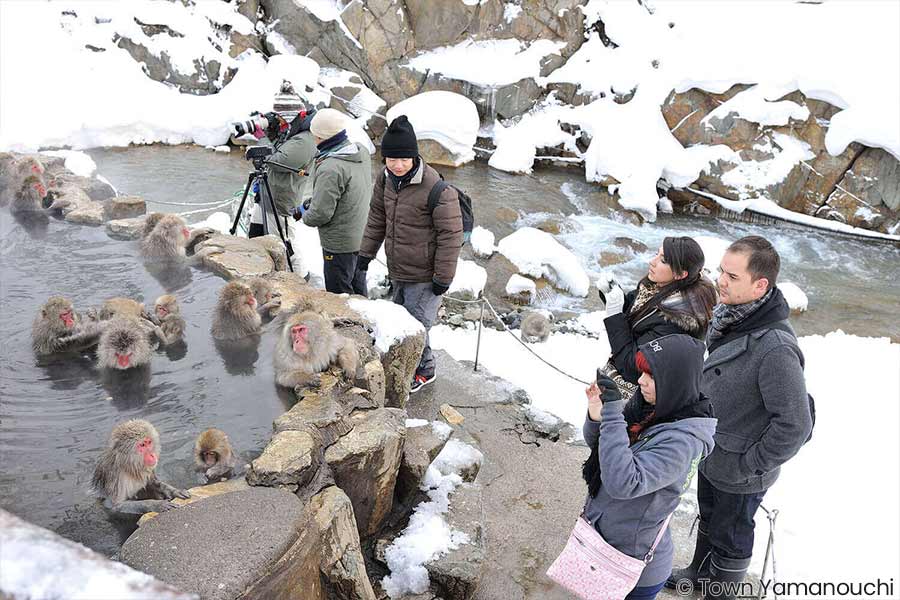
(593, 570)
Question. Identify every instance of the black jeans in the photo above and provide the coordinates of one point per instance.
(728, 518)
(341, 275)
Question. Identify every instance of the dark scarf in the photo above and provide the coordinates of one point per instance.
(640, 415)
(400, 182)
(639, 311)
(731, 322)
(325, 147)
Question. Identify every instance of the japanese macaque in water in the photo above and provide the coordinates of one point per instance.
(214, 456)
(307, 345)
(58, 328)
(268, 303)
(235, 314)
(167, 237)
(124, 344)
(171, 324)
(125, 475)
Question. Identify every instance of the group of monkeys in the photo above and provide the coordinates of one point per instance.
(125, 334)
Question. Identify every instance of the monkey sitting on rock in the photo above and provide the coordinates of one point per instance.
(214, 455)
(125, 475)
(58, 328)
(307, 345)
(535, 327)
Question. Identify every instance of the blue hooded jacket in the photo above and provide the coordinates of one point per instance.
(642, 483)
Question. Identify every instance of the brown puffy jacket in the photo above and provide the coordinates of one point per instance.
(420, 246)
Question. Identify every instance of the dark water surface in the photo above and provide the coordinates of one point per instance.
(56, 415)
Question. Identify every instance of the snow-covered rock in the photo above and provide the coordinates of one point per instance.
(447, 118)
(537, 254)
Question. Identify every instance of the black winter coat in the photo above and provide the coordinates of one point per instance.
(673, 315)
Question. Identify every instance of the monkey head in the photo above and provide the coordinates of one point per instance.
(138, 441)
(305, 328)
(237, 298)
(123, 345)
(262, 290)
(59, 314)
(212, 445)
(36, 184)
(173, 227)
(166, 305)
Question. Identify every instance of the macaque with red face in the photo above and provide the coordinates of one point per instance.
(30, 196)
(307, 345)
(125, 475)
(235, 315)
(124, 344)
(58, 328)
(267, 300)
(166, 237)
(213, 455)
(167, 313)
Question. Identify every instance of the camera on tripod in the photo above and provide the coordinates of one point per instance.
(255, 121)
(258, 155)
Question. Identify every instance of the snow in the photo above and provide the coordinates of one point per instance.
(511, 11)
(442, 430)
(796, 298)
(428, 536)
(518, 284)
(752, 105)
(410, 423)
(713, 250)
(391, 322)
(220, 221)
(537, 254)
(488, 63)
(377, 275)
(592, 322)
(470, 278)
(752, 175)
(37, 564)
(482, 241)
(428, 113)
(77, 162)
(364, 105)
(517, 143)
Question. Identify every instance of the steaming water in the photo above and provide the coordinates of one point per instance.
(57, 415)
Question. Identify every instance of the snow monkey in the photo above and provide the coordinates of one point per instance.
(14, 172)
(123, 307)
(535, 327)
(267, 300)
(213, 455)
(168, 237)
(125, 475)
(30, 196)
(307, 345)
(235, 314)
(171, 323)
(124, 344)
(58, 328)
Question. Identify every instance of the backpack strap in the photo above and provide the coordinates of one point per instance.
(435, 194)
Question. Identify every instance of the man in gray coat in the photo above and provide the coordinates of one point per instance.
(754, 377)
(341, 186)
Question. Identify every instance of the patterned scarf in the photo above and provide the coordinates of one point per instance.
(726, 316)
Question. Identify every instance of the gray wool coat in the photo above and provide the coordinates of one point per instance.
(757, 388)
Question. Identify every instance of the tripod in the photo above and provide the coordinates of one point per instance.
(262, 175)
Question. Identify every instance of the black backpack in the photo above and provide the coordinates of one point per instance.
(465, 203)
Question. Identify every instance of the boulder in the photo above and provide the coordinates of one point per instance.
(421, 447)
(125, 229)
(89, 213)
(96, 190)
(375, 382)
(324, 412)
(457, 573)
(158, 66)
(124, 207)
(874, 180)
(400, 362)
(75, 572)
(365, 463)
(436, 154)
(290, 459)
(234, 257)
(204, 491)
(257, 543)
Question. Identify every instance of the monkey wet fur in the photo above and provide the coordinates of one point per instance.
(125, 475)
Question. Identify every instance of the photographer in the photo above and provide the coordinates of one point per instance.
(644, 453)
(288, 130)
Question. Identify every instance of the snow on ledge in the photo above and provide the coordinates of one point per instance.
(392, 322)
(470, 278)
(796, 297)
(446, 117)
(537, 254)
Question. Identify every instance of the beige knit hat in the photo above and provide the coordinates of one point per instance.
(327, 123)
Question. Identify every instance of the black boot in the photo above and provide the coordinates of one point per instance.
(699, 566)
(729, 572)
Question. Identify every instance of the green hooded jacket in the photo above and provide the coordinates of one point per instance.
(287, 186)
(341, 189)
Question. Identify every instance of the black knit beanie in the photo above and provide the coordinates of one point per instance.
(399, 140)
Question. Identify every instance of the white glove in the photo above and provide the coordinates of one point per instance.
(615, 300)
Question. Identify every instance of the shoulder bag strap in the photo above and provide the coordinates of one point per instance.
(662, 530)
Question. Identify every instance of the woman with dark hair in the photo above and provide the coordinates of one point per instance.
(674, 297)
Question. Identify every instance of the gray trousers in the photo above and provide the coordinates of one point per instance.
(422, 304)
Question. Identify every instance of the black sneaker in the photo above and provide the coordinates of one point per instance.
(420, 381)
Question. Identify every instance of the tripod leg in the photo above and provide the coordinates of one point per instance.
(288, 248)
(237, 216)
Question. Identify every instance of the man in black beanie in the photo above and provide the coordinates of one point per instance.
(422, 246)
